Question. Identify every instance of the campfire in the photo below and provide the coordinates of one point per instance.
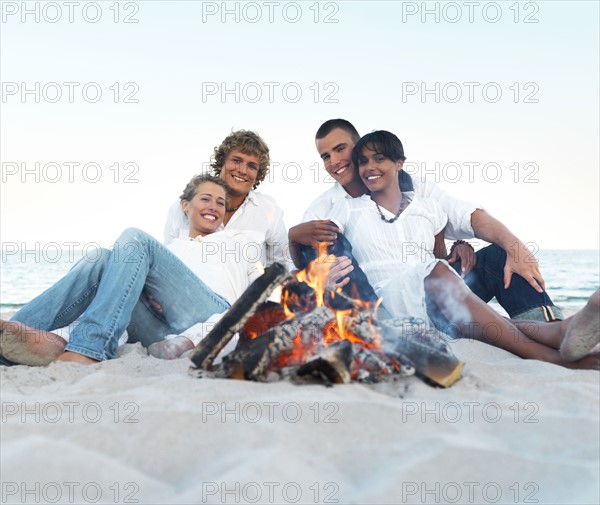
(322, 333)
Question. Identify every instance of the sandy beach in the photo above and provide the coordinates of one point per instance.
(142, 430)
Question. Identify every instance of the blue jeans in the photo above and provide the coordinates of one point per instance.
(111, 292)
(486, 280)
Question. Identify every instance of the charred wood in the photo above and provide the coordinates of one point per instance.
(266, 316)
(234, 319)
(332, 363)
(426, 349)
(254, 358)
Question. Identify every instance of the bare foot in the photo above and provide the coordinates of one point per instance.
(583, 332)
(74, 357)
(172, 348)
(590, 362)
(28, 346)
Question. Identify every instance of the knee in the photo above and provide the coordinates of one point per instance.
(492, 254)
(95, 259)
(439, 271)
(131, 238)
(132, 235)
(441, 280)
(342, 247)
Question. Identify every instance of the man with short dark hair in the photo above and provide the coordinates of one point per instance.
(489, 272)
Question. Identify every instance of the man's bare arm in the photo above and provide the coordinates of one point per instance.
(519, 259)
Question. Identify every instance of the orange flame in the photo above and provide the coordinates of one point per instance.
(315, 276)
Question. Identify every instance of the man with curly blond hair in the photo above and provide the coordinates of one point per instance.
(248, 142)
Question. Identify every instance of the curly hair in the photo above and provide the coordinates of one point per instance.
(192, 187)
(247, 142)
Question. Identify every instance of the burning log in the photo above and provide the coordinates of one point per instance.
(208, 349)
(431, 356)
(266, 316)
(253, 359)
(333, 363)
(299, 297)
(308, 335)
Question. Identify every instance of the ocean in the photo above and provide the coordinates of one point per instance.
(571, 276)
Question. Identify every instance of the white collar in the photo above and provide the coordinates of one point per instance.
(251, 197)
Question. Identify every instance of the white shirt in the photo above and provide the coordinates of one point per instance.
(382, 248)
(226, 261)
(259, 217)
(320, 208)
(458, 211)
(396, 257)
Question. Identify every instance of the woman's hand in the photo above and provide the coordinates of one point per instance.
(464, 253)
(338, 273)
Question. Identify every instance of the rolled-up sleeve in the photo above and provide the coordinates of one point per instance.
(340, 214)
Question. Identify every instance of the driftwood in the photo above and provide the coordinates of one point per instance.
(208, 349)
(426, 350)
(253, 359)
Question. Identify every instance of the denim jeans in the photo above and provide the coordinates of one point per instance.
(486, 280)
(111, 292)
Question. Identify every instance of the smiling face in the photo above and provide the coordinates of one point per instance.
(335, 150)
(206, 209)
(377, 171)
(239, 171)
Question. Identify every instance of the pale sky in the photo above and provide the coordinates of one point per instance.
(497, 101)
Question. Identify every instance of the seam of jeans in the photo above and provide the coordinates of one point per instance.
(73, 305)
(555, 309)
(86, 352)
(119, 309)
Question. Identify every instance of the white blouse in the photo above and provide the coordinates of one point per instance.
(458, 211)
(396, 257)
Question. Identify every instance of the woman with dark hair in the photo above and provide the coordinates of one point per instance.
(398, 240)
(139, 284)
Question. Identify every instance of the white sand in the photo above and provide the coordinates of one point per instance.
(141, 430)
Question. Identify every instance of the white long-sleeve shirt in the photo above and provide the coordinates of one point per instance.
(396, 257)
(227, 261)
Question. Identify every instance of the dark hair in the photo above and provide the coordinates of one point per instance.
(248, 142)
(382, 142)
(328, 126)
(192, 187)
